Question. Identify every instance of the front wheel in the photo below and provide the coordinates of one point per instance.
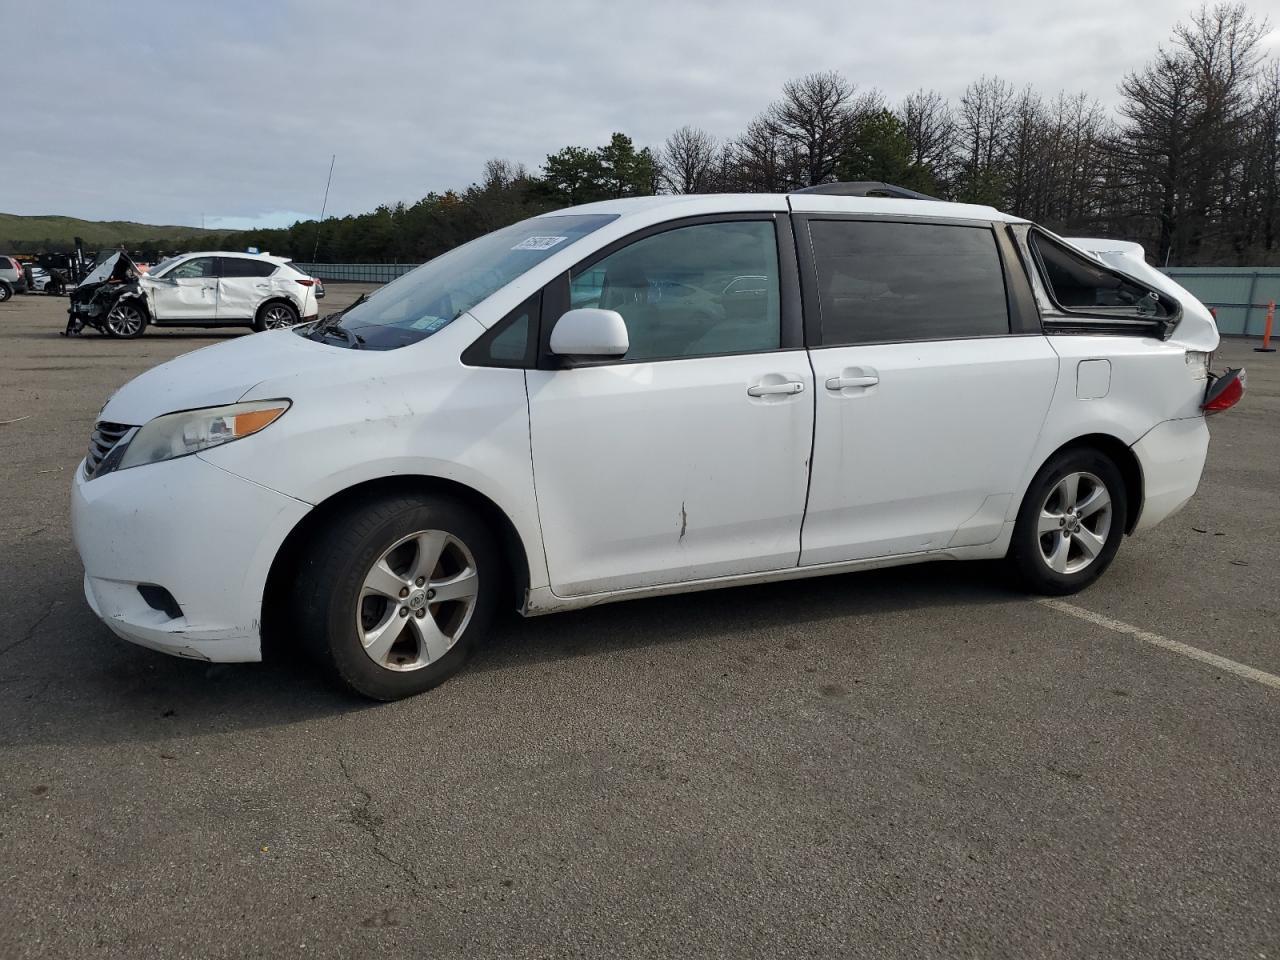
(126, 321)
(394, 593)
(1070, 524)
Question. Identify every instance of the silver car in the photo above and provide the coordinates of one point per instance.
(12, 278)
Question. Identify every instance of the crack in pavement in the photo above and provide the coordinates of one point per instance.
(368, 822)
(30, 631)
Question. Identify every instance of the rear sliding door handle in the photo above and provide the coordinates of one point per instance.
(839, 383)
(772, 389)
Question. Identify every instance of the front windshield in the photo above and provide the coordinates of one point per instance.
(425, 300)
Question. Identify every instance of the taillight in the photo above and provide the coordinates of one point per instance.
(1224, 392)
(306, 283)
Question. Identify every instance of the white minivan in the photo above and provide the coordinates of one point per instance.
(648, 396)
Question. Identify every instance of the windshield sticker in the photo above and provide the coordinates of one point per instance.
(430, 324)
(538, 243)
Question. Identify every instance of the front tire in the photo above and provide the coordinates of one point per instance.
(1070, 524)
(275, 315)
(126, 321)
(394, 593)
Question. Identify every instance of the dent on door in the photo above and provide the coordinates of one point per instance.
(664, 472)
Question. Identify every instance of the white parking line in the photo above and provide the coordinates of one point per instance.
(1195, 653)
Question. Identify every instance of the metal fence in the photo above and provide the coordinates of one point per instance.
(1239, 294)
(358, 272)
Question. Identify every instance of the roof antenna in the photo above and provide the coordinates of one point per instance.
(323, 206)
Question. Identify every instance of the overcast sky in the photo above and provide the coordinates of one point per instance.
(164, 111)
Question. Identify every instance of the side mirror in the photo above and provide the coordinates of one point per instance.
(590, 332)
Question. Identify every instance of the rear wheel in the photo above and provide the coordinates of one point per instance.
(6, 291)
(275, 316)
(1070, 524)
(126, 320)
(393, 594)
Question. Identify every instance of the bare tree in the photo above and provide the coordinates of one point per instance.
(1183, 129)
(688, 161)
(985, 115)
(930, 125)
(762, 160)
(1264, 162)
(813, 118)
(502, 173)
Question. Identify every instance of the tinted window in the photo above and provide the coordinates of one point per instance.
(693, 291)
(1076, 283)
(243, 267)
(881, 282)
(508, 344)
(199, 267)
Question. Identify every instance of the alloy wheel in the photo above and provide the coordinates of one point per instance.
(416, 600)
(276, 317)
(124, 320)
(1075, 520)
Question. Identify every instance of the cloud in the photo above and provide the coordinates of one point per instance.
(230, 111)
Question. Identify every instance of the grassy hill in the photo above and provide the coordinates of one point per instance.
(25, 231)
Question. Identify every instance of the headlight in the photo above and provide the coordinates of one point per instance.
(180, 434)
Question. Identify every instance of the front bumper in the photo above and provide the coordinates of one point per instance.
(205, 535)
(1172, 456)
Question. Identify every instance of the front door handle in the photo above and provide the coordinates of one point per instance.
(772, 389)
(839, 383)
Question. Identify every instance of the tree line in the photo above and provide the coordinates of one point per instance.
(1188, 163)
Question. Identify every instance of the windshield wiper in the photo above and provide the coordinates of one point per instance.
(354, 339)
(330, 323)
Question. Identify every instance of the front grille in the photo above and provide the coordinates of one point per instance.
(104, 437)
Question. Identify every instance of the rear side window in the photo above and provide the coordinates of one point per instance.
(881, 282)
(1079, 285)
(243, 267)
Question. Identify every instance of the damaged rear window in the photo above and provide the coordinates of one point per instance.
(438, 292)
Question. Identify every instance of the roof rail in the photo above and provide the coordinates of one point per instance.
(865, 188)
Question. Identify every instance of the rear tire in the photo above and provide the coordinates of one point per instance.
(367, 596)
(1070, 524)
(275, 315)
(6, 291)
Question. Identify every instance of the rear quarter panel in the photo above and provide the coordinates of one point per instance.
(1149, 383)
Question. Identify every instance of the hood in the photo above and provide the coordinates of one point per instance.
(222, 373)
(118, 266)
(116, 270)
(1196, 329)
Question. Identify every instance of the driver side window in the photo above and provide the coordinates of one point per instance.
(701, 290)
(199, 267)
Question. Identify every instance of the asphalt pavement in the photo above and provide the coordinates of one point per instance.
(918, 762)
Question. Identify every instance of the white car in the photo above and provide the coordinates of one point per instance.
(216, 289)
(910, 380)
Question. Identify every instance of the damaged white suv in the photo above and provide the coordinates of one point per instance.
(194, 290)
(648, 396)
